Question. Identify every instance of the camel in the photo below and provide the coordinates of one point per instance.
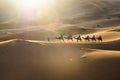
(78, 38)
(99, 38)
(93, 38)
(86, 38)
(69, 37)
(60, 37)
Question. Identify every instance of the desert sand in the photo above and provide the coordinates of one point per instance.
(41, 60)
(30, 50)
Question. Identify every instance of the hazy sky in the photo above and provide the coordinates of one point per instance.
(62, 9)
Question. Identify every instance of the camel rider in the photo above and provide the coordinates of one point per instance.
(48, 39)
(100, 37)
(88, 37)
(61, 36)
(69, 36)
(93, 36)
(79, 37)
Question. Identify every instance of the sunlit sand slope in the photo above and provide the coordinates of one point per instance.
(24, 60)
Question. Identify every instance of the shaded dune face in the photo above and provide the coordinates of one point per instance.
(23, 60)
(113, 45)
(101, 69)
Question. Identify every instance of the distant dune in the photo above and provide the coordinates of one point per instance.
(108, 34)
(111, 39)
(75, 30)
(31, 35)
(29, 56)
(43, 34)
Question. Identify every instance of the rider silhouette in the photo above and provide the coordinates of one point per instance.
(79, 37)
(93, 38)
(88, 37)
(61, 35)
(100, 38)
(69, 36)
(48, 39)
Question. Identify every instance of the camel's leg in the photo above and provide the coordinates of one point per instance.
(77, 40)
(81, 40)
(95, 40)
(72, 40)
(63, 40)
(88, 40)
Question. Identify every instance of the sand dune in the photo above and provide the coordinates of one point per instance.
(108, 34)
(29, 51)
(75, 30)
(25, 60)
(102, 65)
(56, 60)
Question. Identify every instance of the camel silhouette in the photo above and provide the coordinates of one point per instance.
(93, 38)
(100, 39)
(61, 37)
(69, 37)
(78, 38)
(86, 38)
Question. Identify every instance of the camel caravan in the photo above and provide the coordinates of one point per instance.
(79, 38)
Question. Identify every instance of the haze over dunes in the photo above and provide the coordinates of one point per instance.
(81, 13)
(31, 47)
(35, 59)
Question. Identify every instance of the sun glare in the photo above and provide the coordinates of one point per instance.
(40, 11)
(34, 3)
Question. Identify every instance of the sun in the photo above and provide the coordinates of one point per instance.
(31, 6)
(39, 11)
